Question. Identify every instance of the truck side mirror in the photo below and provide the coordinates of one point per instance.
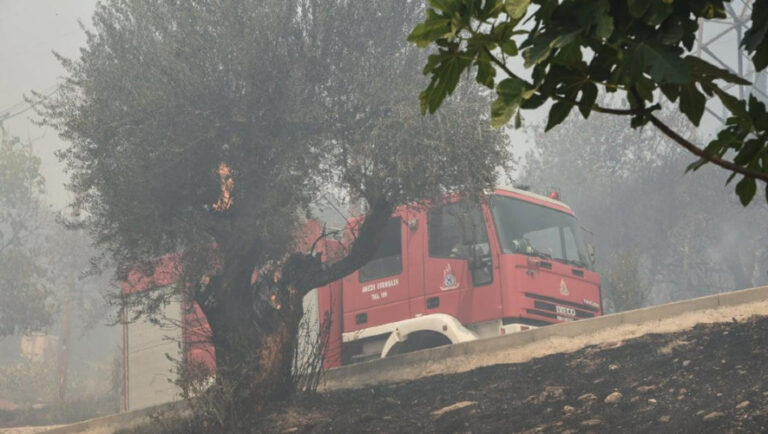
(591, 252)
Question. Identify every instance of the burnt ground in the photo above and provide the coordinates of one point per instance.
(712, 378)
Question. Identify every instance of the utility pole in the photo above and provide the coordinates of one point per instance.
(63, 356)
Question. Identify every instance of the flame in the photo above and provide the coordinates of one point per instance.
(275, 303)
(227, 185)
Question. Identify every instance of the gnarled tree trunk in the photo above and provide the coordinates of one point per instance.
(254, 326)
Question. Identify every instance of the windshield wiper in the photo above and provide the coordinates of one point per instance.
(538, 254)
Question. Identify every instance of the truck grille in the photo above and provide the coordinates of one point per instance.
(555, 308)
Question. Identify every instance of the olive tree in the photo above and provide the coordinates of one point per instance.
(205, 129)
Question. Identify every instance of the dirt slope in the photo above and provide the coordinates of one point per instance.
(712, 378)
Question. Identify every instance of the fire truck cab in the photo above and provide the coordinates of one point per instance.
(460, 271)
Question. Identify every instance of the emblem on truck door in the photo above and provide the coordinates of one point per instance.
(563, 288)
(449, 279)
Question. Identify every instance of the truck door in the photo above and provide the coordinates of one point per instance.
(460, 274)
(378, 292)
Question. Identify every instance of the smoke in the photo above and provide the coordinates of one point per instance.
(29, 32)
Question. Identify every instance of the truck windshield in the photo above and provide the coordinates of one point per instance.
(537, 230)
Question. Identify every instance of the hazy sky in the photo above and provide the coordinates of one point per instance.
(29, 31)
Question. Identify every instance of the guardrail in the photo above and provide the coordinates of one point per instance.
(124, 421)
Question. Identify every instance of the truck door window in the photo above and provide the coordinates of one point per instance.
(457, 230)
(388, 260)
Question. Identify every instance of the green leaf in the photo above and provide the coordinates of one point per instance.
(749, 152)
(444, 5)
(637, 8)
(736, 106)
(486, 73)
(757, 34)
(568, 55)
(760, 59)
(511, 92)
(516, 8)
(540, 49)
(671, 31)
(604, 28)
(657, 13)
(588, 97)
(501, 112)
(534, 101)
(746, 189)
(757, 113)
(429, 31)
(564, 39)
(692, 103)
(645, 88)
(700, 68)
(490, 9)
(558, 113)
(756, 38)
(503, 31)
(660, 62)
(509, 47)
(696, 165)
(448, 66)
(671, 91)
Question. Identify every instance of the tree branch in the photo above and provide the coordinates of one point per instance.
(669, 132)
(594, 107)
(695, 150)
(362, 251)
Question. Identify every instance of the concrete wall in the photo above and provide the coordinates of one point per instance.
(470, 355)
(125, 421)
(414, 365)
(148, 369)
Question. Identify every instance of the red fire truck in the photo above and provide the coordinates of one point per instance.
(461, 271)
(446, 273)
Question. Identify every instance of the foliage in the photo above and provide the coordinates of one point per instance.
(622, 275)
(638, 48)
(29, 382)
(296, 98)
(22, 288)
(289, 104)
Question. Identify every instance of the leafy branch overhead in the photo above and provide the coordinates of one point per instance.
(640, 49)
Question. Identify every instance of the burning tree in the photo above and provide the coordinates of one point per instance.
(207, 128)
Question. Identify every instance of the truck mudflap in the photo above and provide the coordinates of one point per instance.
(441, 323)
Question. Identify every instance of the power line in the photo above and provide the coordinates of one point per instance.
(5, 115)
